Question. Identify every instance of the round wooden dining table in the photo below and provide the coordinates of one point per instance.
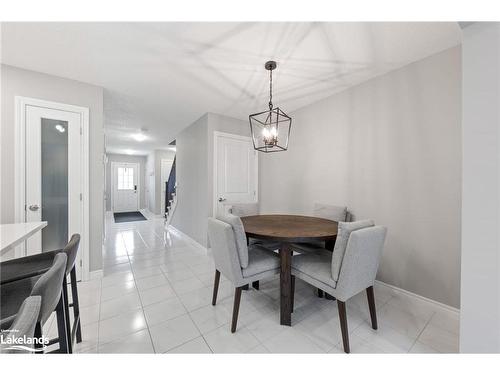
(289, 229)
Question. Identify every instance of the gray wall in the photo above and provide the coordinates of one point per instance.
(389, 149)
(192, 178)
(142, 173)
(195, 147)
(150, 182)
(480, 291)
(20, 82)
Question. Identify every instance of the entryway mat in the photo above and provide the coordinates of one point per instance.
(123, 217)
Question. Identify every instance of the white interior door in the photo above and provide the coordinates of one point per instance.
(166, 166)
(125, 187)
(236, 171)
(53, 177)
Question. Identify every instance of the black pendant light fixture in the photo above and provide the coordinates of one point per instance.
(270, 129)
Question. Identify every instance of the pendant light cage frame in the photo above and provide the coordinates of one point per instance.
(270, 129)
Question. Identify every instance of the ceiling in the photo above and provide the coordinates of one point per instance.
(164, 76)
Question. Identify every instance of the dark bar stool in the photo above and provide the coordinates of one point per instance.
(26, 267)
(49, 287)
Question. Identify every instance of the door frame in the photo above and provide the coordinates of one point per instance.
(21, 103)
(218, 134)
(113, 181)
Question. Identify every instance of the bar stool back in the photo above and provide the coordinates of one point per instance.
(49, 288)
(23, 326)
(33, 265)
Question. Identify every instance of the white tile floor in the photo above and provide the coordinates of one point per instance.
(155, 297)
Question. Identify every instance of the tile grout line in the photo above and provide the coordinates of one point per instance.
(140, 299)
(100, 300)
(187, 311)
(131, 333)
(422, 331)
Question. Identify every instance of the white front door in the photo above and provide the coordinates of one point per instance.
(166, 166)
(125, 187)
(53, 177)
(236, 171)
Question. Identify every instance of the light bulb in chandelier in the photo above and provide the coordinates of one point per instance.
(270, 136)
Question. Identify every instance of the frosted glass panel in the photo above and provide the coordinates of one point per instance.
(54, 183)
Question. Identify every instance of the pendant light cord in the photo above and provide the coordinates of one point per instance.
(270, 89)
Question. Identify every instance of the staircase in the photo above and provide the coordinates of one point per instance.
(170, 195)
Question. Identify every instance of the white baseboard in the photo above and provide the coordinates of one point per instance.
(188, 238)
(397, 290)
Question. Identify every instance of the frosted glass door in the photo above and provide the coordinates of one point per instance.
(53, 177)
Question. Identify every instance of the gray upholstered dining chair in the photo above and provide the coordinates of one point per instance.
(23, 326)
(26, 267)
(49, 287)
(244, 209)
(330, 212)
(250, 209)
(350, 269)
(325, 211)
(239, 263)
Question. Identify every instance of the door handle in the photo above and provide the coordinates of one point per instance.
(135, 188)
(222, 199)
(34, 207)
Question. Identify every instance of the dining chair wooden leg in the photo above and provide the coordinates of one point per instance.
(76, 305)
(371, 305)
(236, 308)
(343, 325)
(293, 290)
(320, 293)
(216, 287)
(66, 314)
(255, 284)
(61, 326)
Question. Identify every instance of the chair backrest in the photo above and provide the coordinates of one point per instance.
(344, 232)
(71, 251)
(244, 209)
(49, 287)
(330, 212)
(239, 235)
(24, 324)
(224, 249)
(361, 261)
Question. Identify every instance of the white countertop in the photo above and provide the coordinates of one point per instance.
(12, 235)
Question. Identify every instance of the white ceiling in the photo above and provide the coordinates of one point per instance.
(163, 76)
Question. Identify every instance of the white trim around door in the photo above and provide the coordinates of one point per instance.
(21, 104)
(217, 135)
